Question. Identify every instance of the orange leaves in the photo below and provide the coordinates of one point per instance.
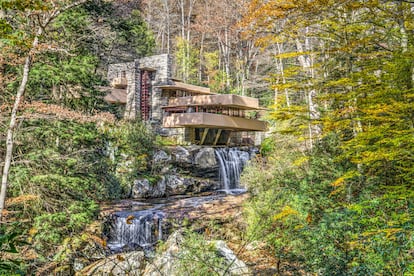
(21, 199)
(33, 110)
(129, 219)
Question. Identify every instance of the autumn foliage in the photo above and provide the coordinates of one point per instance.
(340, 200)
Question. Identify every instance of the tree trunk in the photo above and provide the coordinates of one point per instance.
(13, 121)
(19, 95)
(282, 72)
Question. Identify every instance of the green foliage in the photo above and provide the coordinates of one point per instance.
(199, 256)
(307, 209)
(64, 168)
(72, 53)
(217, 79)
(9, 242)
(186, 58)
(134, 33)
(52, 228)
(343, 206)
(130, 146)
(67, 171)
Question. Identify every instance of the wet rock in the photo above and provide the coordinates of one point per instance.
(205, 158)
(172, 184)
(130, 263)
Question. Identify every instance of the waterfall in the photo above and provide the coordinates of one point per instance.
(136, 229)
(232, 162)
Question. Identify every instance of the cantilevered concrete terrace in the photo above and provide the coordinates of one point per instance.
(181, 86)
(208, 120)
(227, 100)
(218, 111)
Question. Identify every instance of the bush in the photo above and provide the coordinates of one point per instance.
(316, 211)
(62, 170)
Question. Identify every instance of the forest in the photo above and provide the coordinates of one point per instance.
(331, 190)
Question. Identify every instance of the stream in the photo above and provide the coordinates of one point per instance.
(139, 224)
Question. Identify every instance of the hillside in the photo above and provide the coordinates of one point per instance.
(329, 191)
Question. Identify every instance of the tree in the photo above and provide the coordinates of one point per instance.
(39, 14)
(343, 206)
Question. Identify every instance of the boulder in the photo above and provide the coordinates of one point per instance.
(182, 156)
(172, 184)
(205, 158)
(130, 263)
(167, 262)
(161, 157)
(234, 265)
(177, 185)
(143, 188)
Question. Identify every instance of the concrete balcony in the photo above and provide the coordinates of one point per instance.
(225, 100)
(208, 120)
(120, 83)
(191, 89)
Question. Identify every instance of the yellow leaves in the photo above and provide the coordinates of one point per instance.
(340, 82)
(300, 161)
(286, 212)
(32, 232)
(389, 233)
(129, 219)
(291, 54)
(340, 183)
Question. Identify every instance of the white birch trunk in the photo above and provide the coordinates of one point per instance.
(19, 95)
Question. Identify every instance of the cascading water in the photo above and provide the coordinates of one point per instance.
(137, 229)
(232, 162)
(142, 229)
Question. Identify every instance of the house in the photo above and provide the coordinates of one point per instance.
(187, 112)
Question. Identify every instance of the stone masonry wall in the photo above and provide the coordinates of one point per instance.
(162, 66)
(115, 71)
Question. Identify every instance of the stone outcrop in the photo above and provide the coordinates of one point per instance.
(168, 262)
(181, 170)
(172, 184)
(196, 160)
(235, 266)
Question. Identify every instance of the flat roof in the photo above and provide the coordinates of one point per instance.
(224, 100)
(176, 85)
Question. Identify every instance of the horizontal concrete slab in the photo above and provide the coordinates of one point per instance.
(208, 120)
(186, 87)
(224, 100)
